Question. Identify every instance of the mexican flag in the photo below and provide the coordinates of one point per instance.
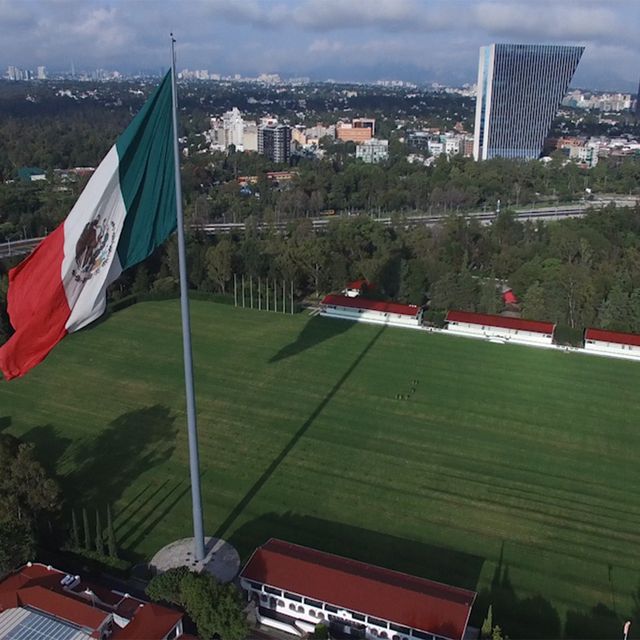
(127, 209)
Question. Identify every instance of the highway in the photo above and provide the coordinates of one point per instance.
(484, 217)
(23, 247)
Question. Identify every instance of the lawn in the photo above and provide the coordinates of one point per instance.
(507, 469)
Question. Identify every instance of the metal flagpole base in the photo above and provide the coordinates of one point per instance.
(221, 559)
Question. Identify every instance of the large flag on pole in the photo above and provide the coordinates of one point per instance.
(127, 209)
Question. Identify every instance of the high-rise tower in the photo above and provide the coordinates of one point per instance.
(519, 89)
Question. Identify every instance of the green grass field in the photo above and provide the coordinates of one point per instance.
(510, 470)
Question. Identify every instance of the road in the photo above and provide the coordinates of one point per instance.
(484, 217)
(22, 247)
(18, 247)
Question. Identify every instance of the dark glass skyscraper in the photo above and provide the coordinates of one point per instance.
(519, 89)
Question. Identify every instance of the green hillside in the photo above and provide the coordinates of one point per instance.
(510, 470)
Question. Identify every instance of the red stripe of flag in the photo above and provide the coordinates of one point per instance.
(37, 306)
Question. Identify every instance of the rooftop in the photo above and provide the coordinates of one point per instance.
(617, 337)
(34, 603)
(503, 322)
(371, 305)
(406, 600)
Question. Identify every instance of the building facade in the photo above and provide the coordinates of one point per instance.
(274, 142)
(519, 89)
(349, 307)
(500, 329)
(613, 344)
(373, 151)
(302, 587)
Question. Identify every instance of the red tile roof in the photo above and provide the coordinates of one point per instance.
(397, 597)
(38, 586)
(617, 337)
(62, 607)
(503, 322)
(150, 621)
(372, 305)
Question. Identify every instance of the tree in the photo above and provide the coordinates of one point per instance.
(166, 587)
(17, 544)
(99, 535)
(27, 494)
(216, 609)
(87, 531)
(111, 536)
(533, 303)
(496, 634)
(490, 300)
(487, 625)
(615, 311)
(218, 260)
(321, 632)
(75, 534)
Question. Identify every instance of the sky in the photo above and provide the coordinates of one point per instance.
(347, 40)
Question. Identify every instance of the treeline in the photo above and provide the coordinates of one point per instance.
(578, 272)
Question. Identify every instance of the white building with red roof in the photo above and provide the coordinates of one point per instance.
(38, 601)
(305, 587)
(500, 328)
(373, 311)
(612, 343)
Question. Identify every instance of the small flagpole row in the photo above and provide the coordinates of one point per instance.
(267, 298)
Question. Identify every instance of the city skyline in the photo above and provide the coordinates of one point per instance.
(410, 40)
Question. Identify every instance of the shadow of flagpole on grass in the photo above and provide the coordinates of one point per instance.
(239, 508)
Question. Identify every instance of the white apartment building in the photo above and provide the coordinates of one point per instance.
(373, 150)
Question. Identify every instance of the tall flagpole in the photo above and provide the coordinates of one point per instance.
(194, 464)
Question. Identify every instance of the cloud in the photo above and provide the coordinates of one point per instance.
(438, 37)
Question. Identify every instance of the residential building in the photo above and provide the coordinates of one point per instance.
(233, 127)
(500, 329)
(519, 89)
(274, 141)
(302, 587)
(373, 151)
(38, 601)
(355, 131)
(250, 136)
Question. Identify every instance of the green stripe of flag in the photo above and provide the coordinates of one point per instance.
(147, 181)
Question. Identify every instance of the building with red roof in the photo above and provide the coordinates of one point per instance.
(501, 329)
(374, 311)
(365, 601)
(612, 343)
(39, 601)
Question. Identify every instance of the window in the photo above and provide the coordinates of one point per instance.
(400, 629)
(313, 603)
(378, 622)
(357, 616)
(255, 585)
(173, 633)
(272, 591)
(422, 635)
(328, 607)
(281, 603)
(292, 606)
(292, 596)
